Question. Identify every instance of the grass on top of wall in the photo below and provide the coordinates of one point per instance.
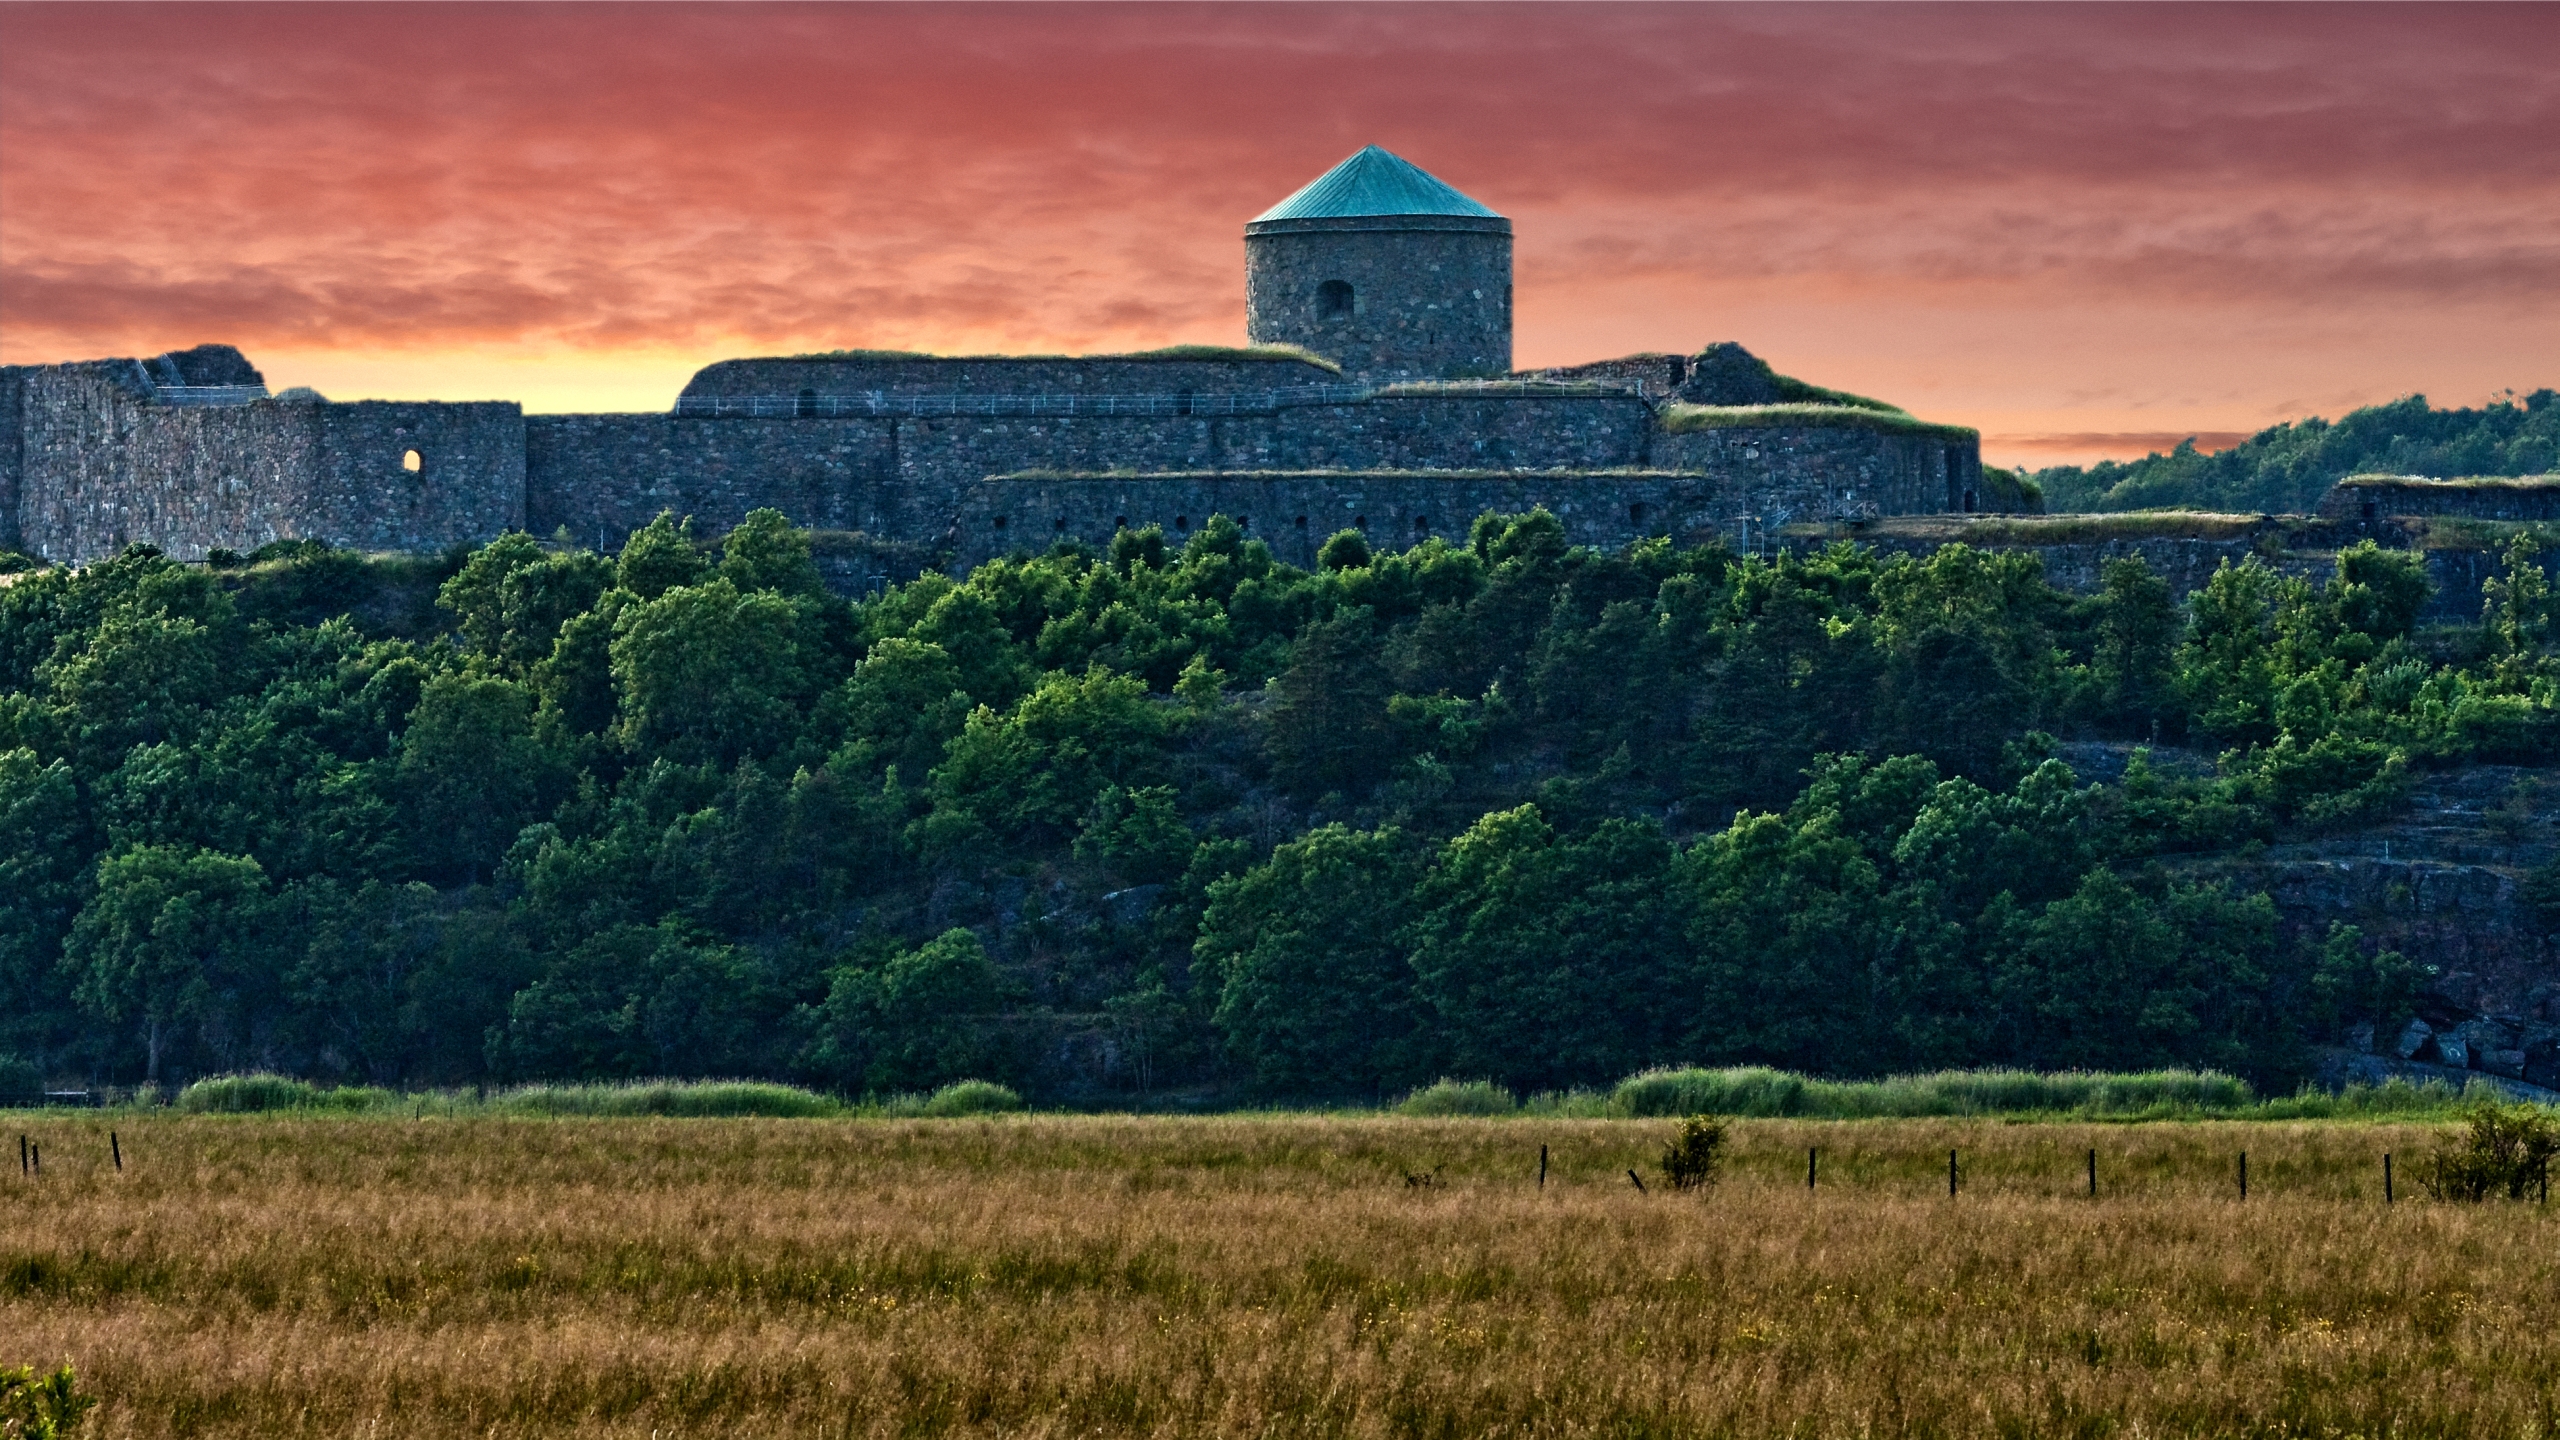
(1168, 352)
(2070, 528)
(2458, 482)
(1685, 419)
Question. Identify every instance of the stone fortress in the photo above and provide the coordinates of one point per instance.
(1376, 393)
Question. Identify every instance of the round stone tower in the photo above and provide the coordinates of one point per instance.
(1384, 268)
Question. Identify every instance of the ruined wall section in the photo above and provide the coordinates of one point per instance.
(13, 459)
(102, 466)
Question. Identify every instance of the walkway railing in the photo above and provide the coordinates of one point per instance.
(815, 406)
(208, 394)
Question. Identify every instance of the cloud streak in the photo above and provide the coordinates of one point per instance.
(1946, 198)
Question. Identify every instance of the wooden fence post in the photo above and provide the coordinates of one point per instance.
(116, 1148)
(2093, 1173)
(1542, 1167)
(2244, 1174)
(2386, 1177)
(1812, 1165)
(1638, 1179)
(1951, 1174)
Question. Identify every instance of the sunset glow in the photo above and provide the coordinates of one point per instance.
(2087, 230)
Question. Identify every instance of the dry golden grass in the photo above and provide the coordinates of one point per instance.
(1253, 1276)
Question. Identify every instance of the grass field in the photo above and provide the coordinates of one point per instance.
(495, 1276)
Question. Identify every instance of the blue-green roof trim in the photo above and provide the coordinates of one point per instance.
(1375, 182)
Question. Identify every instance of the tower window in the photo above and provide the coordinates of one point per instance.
(1333, 299)
(1635, 514)
(1421, 524)
(413, 462)
(1000, 522)
(1061, 525)
(808, 406)
(1360, 522)
(1302, 522)
(1181, 522)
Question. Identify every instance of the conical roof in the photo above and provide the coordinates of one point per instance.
(1374, 182)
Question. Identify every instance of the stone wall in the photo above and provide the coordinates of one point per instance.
(101, 466)
(2364, 498)
(13, 460)
(601, 476)
(1294, 511)
(856, 374)
(469, 486)
(1430, 296)
(1805, 473)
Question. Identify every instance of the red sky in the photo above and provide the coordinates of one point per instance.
(2088, 230)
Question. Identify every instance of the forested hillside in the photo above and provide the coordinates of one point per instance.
(2285, 469)
(1098, 824)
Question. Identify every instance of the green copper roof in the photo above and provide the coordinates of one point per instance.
(1374, 182)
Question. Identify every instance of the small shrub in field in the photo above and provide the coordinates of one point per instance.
(972, 1097)
(246, 1094)
(670, 1097)
(1690, 1160)
(249, 1094)
(2503, 1150)
(1458, 1097)
(39, 1407)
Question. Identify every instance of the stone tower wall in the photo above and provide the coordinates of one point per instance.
(1430, 296)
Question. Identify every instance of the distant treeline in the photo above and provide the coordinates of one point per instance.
(2285, 469)
(1091, 823)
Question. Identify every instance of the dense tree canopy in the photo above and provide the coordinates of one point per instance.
(2286, 468)
(1184, 815)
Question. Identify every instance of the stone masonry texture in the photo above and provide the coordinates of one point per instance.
(1429, 297)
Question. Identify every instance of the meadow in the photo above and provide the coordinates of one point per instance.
(304, 1273)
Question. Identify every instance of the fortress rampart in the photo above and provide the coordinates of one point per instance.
(1378, 395)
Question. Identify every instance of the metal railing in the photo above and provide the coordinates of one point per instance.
(815, 406)
(208, 394)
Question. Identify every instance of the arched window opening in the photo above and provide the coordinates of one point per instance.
(1119, 522)
(1421, 524)
(1302, 522)
(1359, 522)
(1333, 299)
(1000, 522)
(1181, 522)
(808, 406)
(1061, 526)
(1968, 502)
(1635, 514)
(413, 462)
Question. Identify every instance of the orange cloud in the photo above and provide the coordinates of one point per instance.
(2055, 222)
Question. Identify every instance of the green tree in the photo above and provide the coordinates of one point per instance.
(1545, 961)
(766, 552)
(707, 674)
(1028, 776)
(2137, 643)
(660, 556)
(176, 939)
(1307, 951)
(472, 772)
(913, 1021)
(44, 845)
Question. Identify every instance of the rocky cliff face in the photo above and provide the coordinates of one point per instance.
(2443, 884)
